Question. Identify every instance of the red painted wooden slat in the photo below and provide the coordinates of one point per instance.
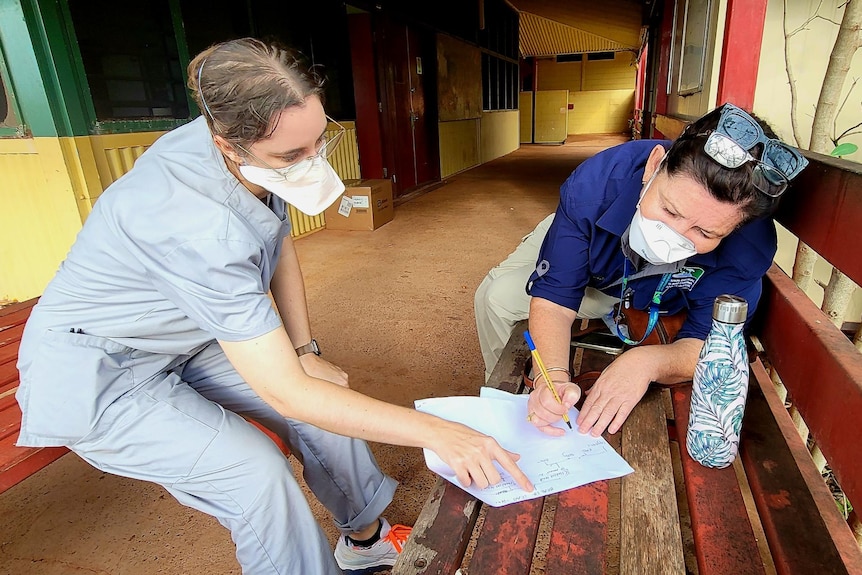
(8, 354)
(17, 313)
(271, 434)
(804, 536)
(508, 537)
(10, 421)
(441, 534)
(29, 461)
(822, 371)
(579, 536)
(8, 374)
(723, 537)
(11, 335)
(834, 194)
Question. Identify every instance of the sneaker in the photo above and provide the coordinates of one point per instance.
(381, 556)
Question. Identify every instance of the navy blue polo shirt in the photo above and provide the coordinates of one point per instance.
(583, 246)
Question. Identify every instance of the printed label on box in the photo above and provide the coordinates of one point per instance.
(345, 206)
(360, 201)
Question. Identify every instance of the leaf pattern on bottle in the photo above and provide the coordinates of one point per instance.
(718, 397)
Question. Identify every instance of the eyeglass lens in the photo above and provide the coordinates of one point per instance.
(742, 130)
(726, 151)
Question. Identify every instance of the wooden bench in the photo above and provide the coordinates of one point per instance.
(18, 463)
(771, 512)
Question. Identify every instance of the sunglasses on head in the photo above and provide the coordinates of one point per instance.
(736, 134)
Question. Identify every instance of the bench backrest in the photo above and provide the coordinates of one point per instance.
(817, 363)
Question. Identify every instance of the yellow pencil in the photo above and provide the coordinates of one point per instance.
(538, 362)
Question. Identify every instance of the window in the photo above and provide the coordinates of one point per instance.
(131, 59)
(500, 84)
(499, 42)
(563, 58)
(596, 56)
(694, 43)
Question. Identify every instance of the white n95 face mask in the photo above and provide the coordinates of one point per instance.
(310, 185)
(657, 242)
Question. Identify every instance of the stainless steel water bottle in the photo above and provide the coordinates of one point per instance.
(720, 386)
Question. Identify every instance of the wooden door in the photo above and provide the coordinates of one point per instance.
(408, 118)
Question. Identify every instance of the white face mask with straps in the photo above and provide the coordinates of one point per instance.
(310, 185)
(655, 241)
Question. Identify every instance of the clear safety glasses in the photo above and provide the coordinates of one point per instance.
(331, 139)
(736, 134)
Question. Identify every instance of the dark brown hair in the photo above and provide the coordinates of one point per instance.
(733, 186)
(241, 86)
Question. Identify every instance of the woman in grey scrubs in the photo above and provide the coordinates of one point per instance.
(157, 337)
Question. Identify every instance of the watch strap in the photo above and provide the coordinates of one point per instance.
(310, 347)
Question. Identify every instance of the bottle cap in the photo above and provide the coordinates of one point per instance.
(729, 309)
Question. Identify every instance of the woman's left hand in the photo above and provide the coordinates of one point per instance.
(617, 391)
(316, 366)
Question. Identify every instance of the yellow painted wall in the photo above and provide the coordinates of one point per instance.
(551, 116)
(459, 146)
(50, 185)
(616, 74)
(525, 105)
(559, 76)
(601, 91)
(499, 134)
(601, 111)
(39, 217)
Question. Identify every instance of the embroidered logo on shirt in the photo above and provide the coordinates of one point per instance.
(685, 278)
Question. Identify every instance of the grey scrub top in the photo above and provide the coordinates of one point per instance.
(175, 254)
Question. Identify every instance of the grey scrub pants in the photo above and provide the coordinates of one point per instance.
(180, 429)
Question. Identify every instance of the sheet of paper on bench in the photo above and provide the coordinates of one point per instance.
(553, 464)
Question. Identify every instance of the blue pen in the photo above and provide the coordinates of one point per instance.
(538, 362)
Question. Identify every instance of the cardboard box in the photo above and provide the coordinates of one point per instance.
(364, 205)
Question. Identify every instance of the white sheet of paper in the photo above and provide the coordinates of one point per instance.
(553, 464)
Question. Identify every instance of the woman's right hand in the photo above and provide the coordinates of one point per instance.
(471, 454)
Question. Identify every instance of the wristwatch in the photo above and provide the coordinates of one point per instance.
(310, 347)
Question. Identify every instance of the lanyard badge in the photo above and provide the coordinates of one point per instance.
(625, 297)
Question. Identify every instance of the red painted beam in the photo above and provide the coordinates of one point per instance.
(740, 55)
(821, 369)
(723, 537)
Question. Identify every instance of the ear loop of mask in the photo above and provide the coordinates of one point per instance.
(201, 94)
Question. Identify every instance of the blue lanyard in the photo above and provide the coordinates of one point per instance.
(653, 306)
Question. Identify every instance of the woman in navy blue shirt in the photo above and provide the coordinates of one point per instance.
(664, 227)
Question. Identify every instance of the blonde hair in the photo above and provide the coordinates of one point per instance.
(241, 86)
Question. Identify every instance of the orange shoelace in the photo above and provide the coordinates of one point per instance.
(398, 535)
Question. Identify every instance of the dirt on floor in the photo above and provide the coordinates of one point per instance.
(393, 307)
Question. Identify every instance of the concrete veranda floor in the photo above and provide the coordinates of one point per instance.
(393, 307)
